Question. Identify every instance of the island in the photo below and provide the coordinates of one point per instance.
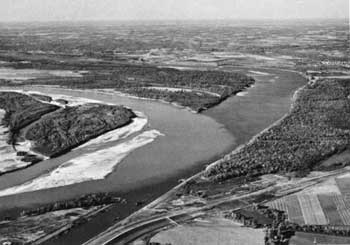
(70, 127)
(196, 90)
(38, 129)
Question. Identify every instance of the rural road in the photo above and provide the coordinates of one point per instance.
(123, 234)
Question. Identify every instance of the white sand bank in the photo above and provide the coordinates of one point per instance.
(137, 124)
(8, 158)
(72, 101)
(8, 155)
(91, 166)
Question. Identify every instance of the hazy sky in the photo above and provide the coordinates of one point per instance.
(43, 10)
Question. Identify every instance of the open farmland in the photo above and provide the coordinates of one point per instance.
(343, 209)
(291, 206)
(330, 209)
(311, 209)
(344, 187)
(325, 204)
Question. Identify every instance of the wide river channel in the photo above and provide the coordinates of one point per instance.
(191, 141)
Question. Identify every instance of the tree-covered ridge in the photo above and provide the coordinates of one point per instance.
(21, 110)
(70, 127)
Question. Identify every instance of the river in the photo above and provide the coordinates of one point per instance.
(191, 141)
(261, 105)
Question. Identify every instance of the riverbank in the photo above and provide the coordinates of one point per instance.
(194, 89)
(94, 166)
(233, 103)
(172, 129)
(221, 99)
(177, 191)
(38, 228)
(314, 129)
(261, 133)
(149, 191)
(10, 161)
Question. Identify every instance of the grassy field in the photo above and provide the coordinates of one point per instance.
(302, 238)
(211, 232)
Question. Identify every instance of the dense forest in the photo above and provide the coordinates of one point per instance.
(196, 89)
(316, 127)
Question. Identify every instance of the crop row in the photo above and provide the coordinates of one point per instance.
(312, 209)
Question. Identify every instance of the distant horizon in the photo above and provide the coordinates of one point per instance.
(177, 10)
(178, 20)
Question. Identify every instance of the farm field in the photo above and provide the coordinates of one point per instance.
(302, 238)
(324, 204)
(344, 186)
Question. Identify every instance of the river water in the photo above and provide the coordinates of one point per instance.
(191, 141)
(261, 105)
(152, 163)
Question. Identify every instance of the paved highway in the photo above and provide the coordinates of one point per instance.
(123, 234)
(127, 234)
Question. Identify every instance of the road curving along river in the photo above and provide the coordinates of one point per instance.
(191, 141)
